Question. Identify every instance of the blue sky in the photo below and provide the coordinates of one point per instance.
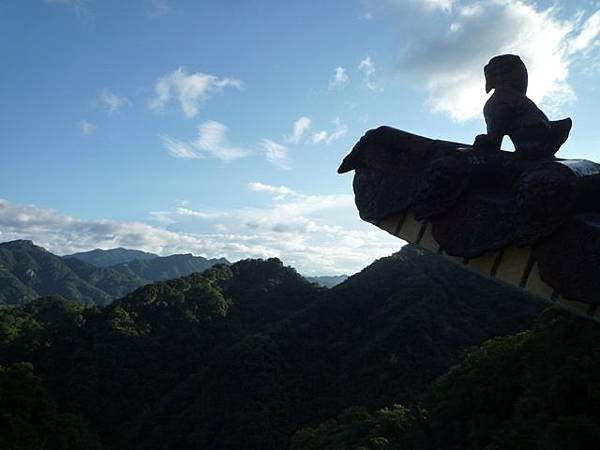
(216, 127)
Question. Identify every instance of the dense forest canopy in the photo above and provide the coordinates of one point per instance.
(404, 354)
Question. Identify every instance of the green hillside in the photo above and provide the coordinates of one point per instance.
(28, 271)
(534, 390)
(244, 356)
(379, 338)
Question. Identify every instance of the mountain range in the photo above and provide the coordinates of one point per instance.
(28, 271)
(111, 257)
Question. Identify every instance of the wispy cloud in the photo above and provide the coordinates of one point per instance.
(327, 137)
(448, 59)
(301, 127)
(302, 230)
(587, 35)
(444, 5)
(110, 102)
(369, 71)
(340, 79)
(162, 217)
(87, 128)
(186, 212)
(275, 153)
(190, 90)
(211, 141)
(281, 191)
(179, 149)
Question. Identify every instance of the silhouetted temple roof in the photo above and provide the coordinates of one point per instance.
(534, 224)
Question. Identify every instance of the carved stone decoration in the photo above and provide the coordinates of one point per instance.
(443, 181)
(378, 196)
(570, 259)
(549, 194)
(510, 112)
(478, 223)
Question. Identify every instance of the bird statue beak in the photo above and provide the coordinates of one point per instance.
(488, 87)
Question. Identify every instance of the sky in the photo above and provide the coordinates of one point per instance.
(215, 127)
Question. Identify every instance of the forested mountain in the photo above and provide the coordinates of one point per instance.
(534, 390)
(244, 356)
(111, 257)
(167, 267)
(28, 271)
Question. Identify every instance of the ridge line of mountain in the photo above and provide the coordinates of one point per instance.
(28, 271)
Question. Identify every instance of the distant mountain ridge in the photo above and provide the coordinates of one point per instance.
(28, 271)
(111, 257)
(164, 268)
(328, 281)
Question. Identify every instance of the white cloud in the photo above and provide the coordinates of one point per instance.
(425, 5)
(300, 229)
(211, 140)
(87, 128)
(186, 212)
(275, 153)
(449, 60)
(339, 79)
(64, 234)
(179, 149)
(301, 127)
(280, 190)
(278, 154)
(327, 137)
(445, 5)
(303, 232)
(319, 136)
(369, 71)
(162, 217)
(588, 33)
(111, 102)
(190, 90)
